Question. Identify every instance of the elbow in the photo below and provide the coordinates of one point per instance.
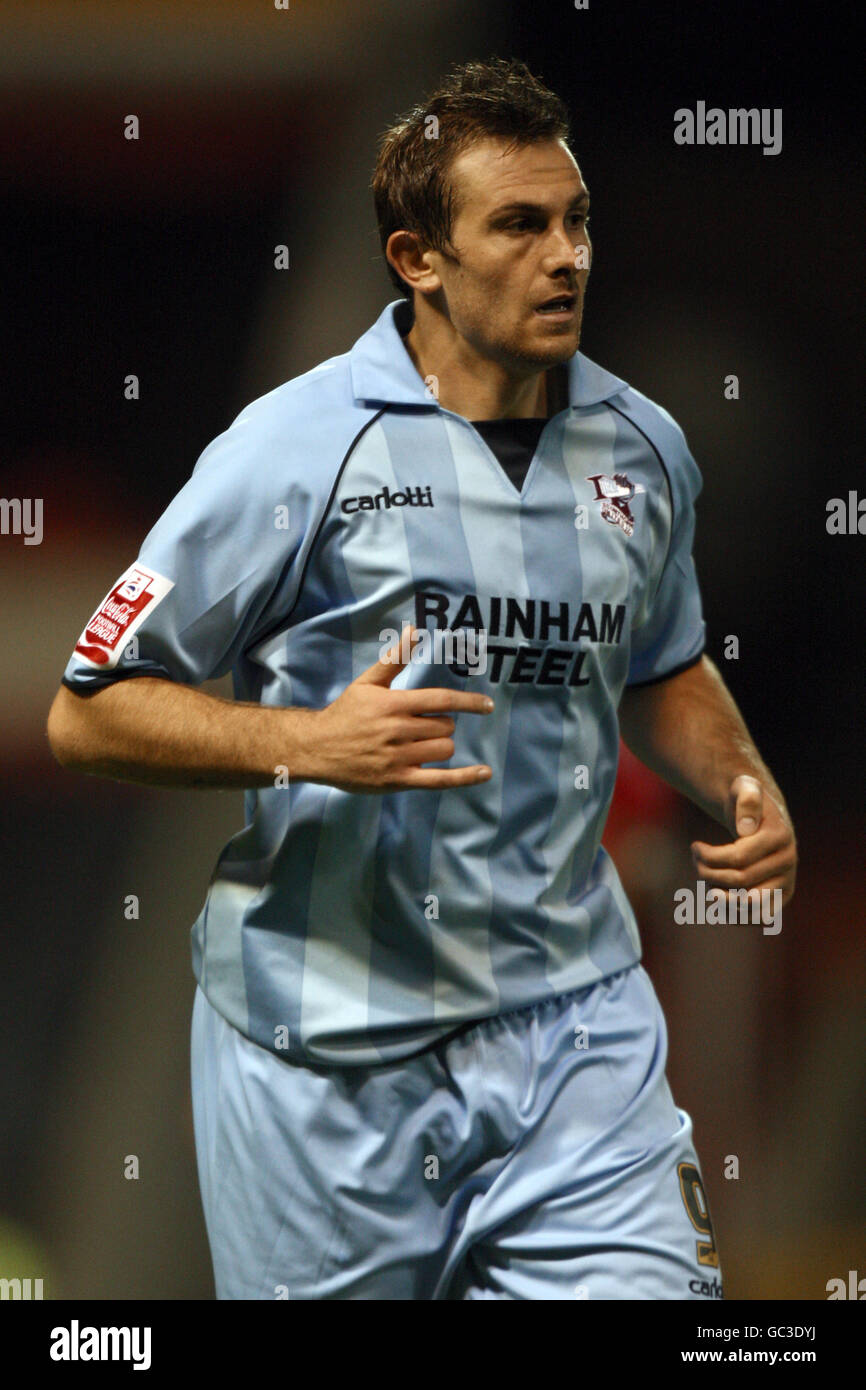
(63, 731)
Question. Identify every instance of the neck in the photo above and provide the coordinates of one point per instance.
(474, 386)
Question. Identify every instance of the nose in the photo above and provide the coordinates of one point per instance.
(562, 255)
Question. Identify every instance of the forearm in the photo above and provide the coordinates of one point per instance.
(165, 734)
(689, 730)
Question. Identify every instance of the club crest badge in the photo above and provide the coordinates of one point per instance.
(614, 494)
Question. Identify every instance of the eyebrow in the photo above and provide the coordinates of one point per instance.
(578, 200)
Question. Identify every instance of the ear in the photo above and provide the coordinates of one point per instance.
(412, 263)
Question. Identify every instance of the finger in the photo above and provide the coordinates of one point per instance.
(787, 885)
(782, 882)
(754, 895)
(749, 907)
(748, 877)
(391, 662)
(738, 853)
(738, 861)
(445, 777)
(424, 726)
(438, 700)
(748, 798)
(431, 750)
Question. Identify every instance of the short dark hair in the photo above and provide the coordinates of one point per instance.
(475, 101)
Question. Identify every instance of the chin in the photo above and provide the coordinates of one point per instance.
(561, 348)
(538, 351)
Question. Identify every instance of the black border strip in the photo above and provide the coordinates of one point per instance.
(674, 671)
(116, 678)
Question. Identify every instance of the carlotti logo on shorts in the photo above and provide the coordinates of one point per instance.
(136, 593)
(707, 1288)
(405, 497)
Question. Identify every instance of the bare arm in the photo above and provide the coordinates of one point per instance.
(370, 739)
(689, 730)
(155, 731)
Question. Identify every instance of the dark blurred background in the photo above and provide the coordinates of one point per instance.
(155, 257)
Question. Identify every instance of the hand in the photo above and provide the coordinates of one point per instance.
(764, 855)
(375, 739)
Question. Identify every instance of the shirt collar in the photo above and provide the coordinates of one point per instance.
(382, 370)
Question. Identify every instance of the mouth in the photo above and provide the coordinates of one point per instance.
(560, 307)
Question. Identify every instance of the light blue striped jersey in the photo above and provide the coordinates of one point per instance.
(344, 928)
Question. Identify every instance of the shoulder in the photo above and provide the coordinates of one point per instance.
(664, 437)
(296, 434)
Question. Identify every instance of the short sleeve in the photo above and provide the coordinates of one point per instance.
(219, 566)
(672, 634)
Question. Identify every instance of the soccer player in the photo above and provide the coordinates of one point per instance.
(445, 569)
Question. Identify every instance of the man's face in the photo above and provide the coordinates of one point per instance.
(520, 239)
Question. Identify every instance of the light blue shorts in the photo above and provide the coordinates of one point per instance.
(535, 1155)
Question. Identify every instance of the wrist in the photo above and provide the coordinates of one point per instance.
(299, 744)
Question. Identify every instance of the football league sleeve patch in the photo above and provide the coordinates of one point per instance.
(111, 629)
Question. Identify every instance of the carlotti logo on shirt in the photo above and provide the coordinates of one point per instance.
(136, 593)
(404, 497)
(614, 494)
